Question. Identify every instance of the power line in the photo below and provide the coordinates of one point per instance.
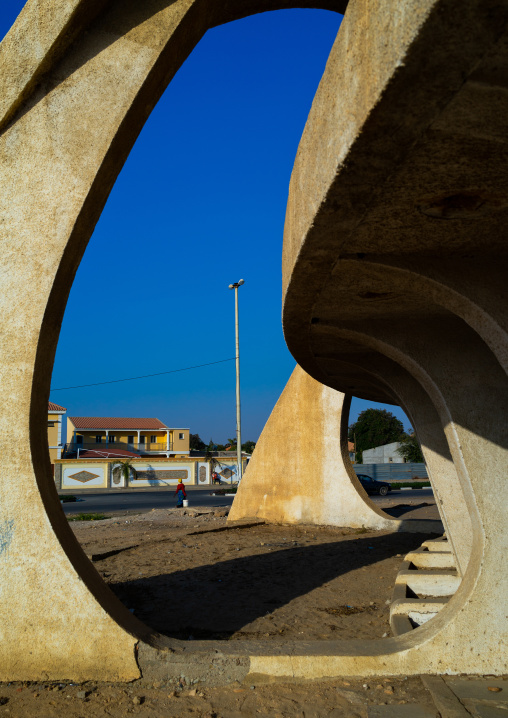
(145, 376)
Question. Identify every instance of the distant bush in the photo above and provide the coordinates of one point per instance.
(66, 498)
(87, 517)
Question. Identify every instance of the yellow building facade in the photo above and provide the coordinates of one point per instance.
(56, 415)
(103, 436)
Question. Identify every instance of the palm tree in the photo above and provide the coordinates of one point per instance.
(125, 469)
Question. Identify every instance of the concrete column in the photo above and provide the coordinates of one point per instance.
(300, 471)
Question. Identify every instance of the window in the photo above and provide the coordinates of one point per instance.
(181, 436)
(112, 439)
(51, 423)
(98, 439)
(79, 439)
(153, 439)
(130, 439)
(142, 439)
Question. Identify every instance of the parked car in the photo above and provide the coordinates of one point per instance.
(372, 486)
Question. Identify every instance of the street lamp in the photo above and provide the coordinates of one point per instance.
(238, 420)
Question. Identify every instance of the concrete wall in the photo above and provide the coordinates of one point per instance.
(393, 472)
(383, 454)
(75, 475)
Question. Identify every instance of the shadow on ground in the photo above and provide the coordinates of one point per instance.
(422, 510)
(215, 601)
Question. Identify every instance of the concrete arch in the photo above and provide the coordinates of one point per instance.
(80, 78)
(78, 102)
(392, 197)
(409, 394)
(445, 289)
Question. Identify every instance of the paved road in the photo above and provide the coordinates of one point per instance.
(141, 501)
(403, 496)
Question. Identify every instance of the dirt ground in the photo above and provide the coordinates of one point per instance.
(192, 577)
(330, 699)
(190, 581)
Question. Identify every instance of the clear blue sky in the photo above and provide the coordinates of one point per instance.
(199, 204)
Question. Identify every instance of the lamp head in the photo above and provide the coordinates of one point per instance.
(231, 286)
(241, 282)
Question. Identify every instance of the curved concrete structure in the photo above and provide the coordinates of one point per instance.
(78, 80)
(395, 264)
(394, 253)
(300, 471)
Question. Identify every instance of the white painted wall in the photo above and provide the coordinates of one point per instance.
(383, 454)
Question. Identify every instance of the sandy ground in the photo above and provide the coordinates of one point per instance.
(189, 580)
(192, 576)
(344, 699)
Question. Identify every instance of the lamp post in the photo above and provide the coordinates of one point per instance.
(238, 419)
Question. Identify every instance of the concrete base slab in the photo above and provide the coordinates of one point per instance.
(404, 711)
(482, 711)
(478, 689)
(446, 701)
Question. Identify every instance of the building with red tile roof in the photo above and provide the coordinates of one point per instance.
(55, 407)
(55, 418)
(116, 422)
(142, 436)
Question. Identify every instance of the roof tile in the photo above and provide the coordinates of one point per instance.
(107, 454)
(116, 422)
(55, 407)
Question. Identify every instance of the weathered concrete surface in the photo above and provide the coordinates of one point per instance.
(297, 473)
(402, 388)
(394, 250)
(78, 79)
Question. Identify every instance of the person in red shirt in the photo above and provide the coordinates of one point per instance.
(181, 493)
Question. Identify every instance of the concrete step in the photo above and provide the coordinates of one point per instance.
(415, 611)
(429, 583)
(437, 544)
(423, 605)
(432, 559)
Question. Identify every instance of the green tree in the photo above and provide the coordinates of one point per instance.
(196, 443)
(249, 447)
(410, 448)
(125, 469)
(375, 427)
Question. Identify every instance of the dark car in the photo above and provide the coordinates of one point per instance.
(372, 486)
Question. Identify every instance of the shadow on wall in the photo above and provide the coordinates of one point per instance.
(215, 601)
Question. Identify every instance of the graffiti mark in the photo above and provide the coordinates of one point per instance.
(6, 534)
